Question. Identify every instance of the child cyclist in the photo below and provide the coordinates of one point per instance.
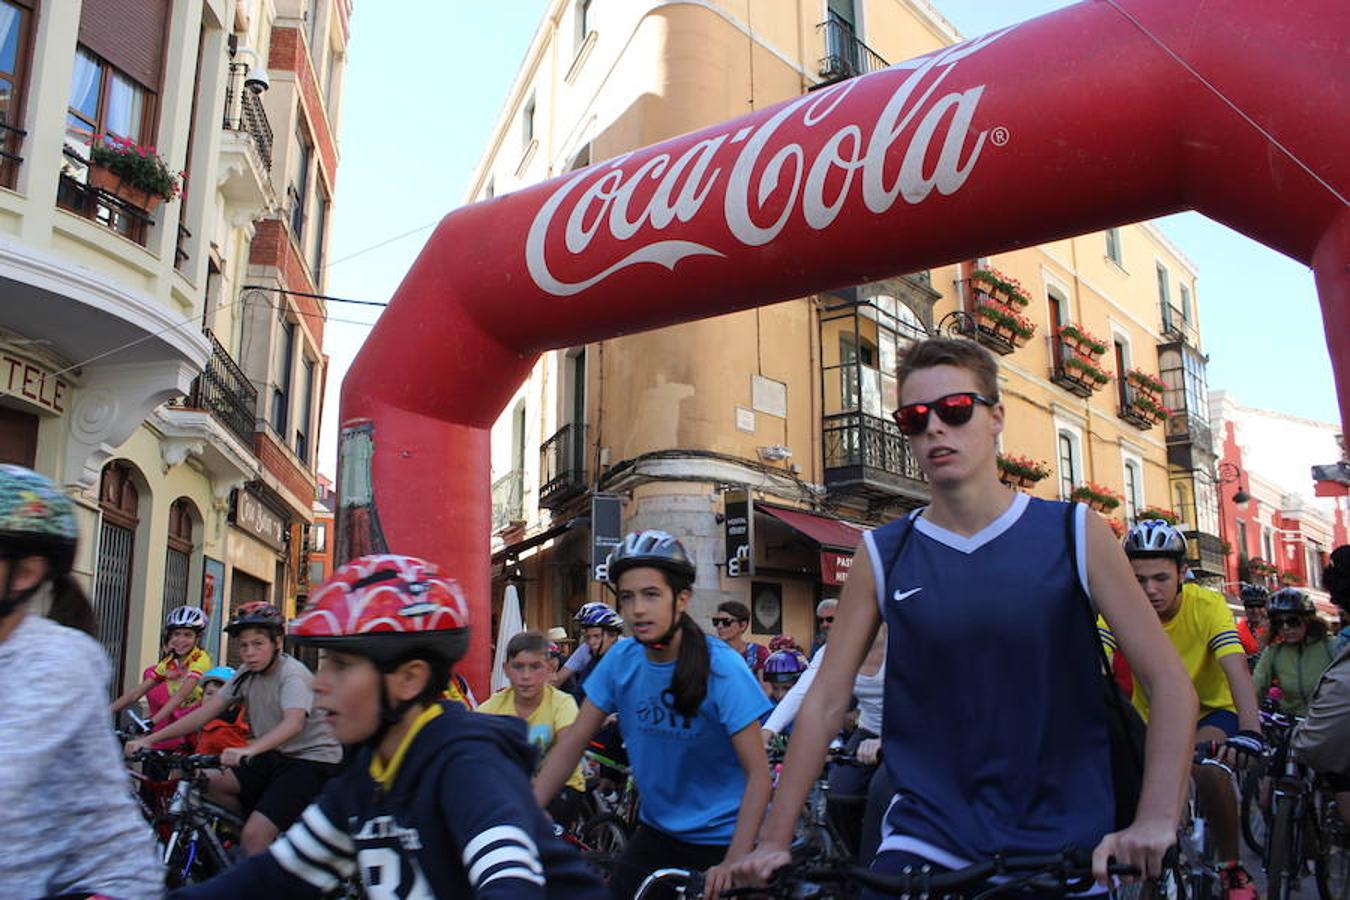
(994, 731)
(180, 670)
(292, 754)
(68, 824)
(230, 728)
(547, 711)
(436, 801)
(689, 708)
(781, 671)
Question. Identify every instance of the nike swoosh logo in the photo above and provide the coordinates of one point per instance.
(901, 595)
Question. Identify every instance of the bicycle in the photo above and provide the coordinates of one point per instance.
(815, 828)
(1305, 828)
(1062, 873)
(199, 838)
(1255, 808)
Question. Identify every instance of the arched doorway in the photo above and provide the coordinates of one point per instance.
(119, 502)
(183, 519)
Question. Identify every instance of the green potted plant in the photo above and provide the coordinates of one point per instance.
(1088, 371)
(1291, 579)
(136, 174)
(1144, 381)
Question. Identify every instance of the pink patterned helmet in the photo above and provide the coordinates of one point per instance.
(388, 608)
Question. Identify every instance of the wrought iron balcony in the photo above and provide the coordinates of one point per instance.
(845, 55)
(104, 207)
(1204, 553)
(225, 392)
(244, 113)
(868, 457)
(562, 466)
(1190, 442)
(1176, 327)
(11, 140)
(508, 499)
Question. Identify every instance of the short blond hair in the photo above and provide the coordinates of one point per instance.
(958, 352)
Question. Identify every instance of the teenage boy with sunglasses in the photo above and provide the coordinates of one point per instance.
(993, 727)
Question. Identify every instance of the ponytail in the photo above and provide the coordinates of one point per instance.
(70, 607)
(693, 666)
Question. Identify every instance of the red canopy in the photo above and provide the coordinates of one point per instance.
(835, 534)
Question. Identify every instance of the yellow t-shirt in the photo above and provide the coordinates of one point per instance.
(1203, 633)
(169, 671)
(556, 711)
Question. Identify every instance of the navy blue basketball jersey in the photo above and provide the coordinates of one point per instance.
(994, 722)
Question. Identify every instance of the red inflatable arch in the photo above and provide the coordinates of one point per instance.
(1103, 113)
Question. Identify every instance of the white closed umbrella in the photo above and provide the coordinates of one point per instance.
(511, 624)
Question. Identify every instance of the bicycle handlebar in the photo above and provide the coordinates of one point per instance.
(188, 762)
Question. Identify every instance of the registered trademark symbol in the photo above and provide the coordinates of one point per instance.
(999, 135)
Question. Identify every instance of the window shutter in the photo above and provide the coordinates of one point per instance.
(129, 34)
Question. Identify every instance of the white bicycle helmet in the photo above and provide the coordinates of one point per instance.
(186, 617)
(1155, 539)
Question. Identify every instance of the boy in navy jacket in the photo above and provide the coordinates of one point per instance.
(437, 802)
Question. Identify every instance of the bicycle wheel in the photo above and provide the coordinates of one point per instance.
(1319, 848)
(1281, 863)
(1255, 826)
(605, 835)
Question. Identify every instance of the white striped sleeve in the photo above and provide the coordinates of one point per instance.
(502, 851)
(316, 851)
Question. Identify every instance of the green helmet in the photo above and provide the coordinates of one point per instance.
(36, 519)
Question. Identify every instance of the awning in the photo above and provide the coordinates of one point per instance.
(534, 540)
(828, 532)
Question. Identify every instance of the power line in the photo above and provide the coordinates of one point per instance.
(324, 297)
(383, 243)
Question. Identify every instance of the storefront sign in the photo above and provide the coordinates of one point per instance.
(834, 567)
(739, 524)
(606, 531)
(253, 517)
(32, 384)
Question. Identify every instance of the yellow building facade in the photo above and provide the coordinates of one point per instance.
(123, 316)
(792, 402)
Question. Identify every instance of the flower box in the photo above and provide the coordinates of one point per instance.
(999, 287)
(1157, 512)
(1082, 340)
(135, 174)
(1145, 382)
(1020, 471)
(1118, 526)
(1000, 327)
(1102, 499)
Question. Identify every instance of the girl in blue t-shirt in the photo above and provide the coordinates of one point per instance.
(689, 709)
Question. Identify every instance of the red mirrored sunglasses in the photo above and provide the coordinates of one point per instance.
(953, 409)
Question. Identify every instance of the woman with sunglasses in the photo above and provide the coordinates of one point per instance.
(1297, 650)
(994, 733)
(732, 621)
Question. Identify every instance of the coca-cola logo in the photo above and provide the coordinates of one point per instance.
(603, 197)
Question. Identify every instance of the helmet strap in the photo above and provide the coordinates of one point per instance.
(663, 641)
(390, 714)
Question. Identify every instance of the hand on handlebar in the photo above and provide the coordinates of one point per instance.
(1242, 749)
(132, 747)
(756, 868)
(869, 751)
(1143, 845)
(235, 756)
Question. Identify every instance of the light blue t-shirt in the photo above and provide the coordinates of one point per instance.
(687, 772)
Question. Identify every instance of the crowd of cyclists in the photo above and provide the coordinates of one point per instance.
(999, 676)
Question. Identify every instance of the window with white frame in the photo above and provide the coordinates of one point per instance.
(527, 122)
(1134, 489)
(1268, 545)
(584, 24)
(1070, 462)
(1113, 251)
(1185, 293)
(1314, 566)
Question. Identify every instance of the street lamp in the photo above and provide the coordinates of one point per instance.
(1229, 473)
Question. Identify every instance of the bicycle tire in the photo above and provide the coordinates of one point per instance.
(606, 835)
(1318, 844)
(1281, 866)
(1255, 824)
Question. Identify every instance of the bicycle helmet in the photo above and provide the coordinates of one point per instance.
(36, 519)
(586, 610)
(1290, 600)
(223, 674)
(1253, 594)
(389, 609)
(784, 642)
(256, 614)
(1155, 539)
(186, 617)
(653, 548)
(784, 666)
(602, 617)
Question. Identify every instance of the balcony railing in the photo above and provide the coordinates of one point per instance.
(508, 499)
(1177, 327)
(180, 252)
(11, 140)
(868, 456)
(1205, 553)
(562, 466)
(101, 206)
(845, 55)
(225, 392)
(244, 112)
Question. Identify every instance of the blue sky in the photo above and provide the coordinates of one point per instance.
(420, 102)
